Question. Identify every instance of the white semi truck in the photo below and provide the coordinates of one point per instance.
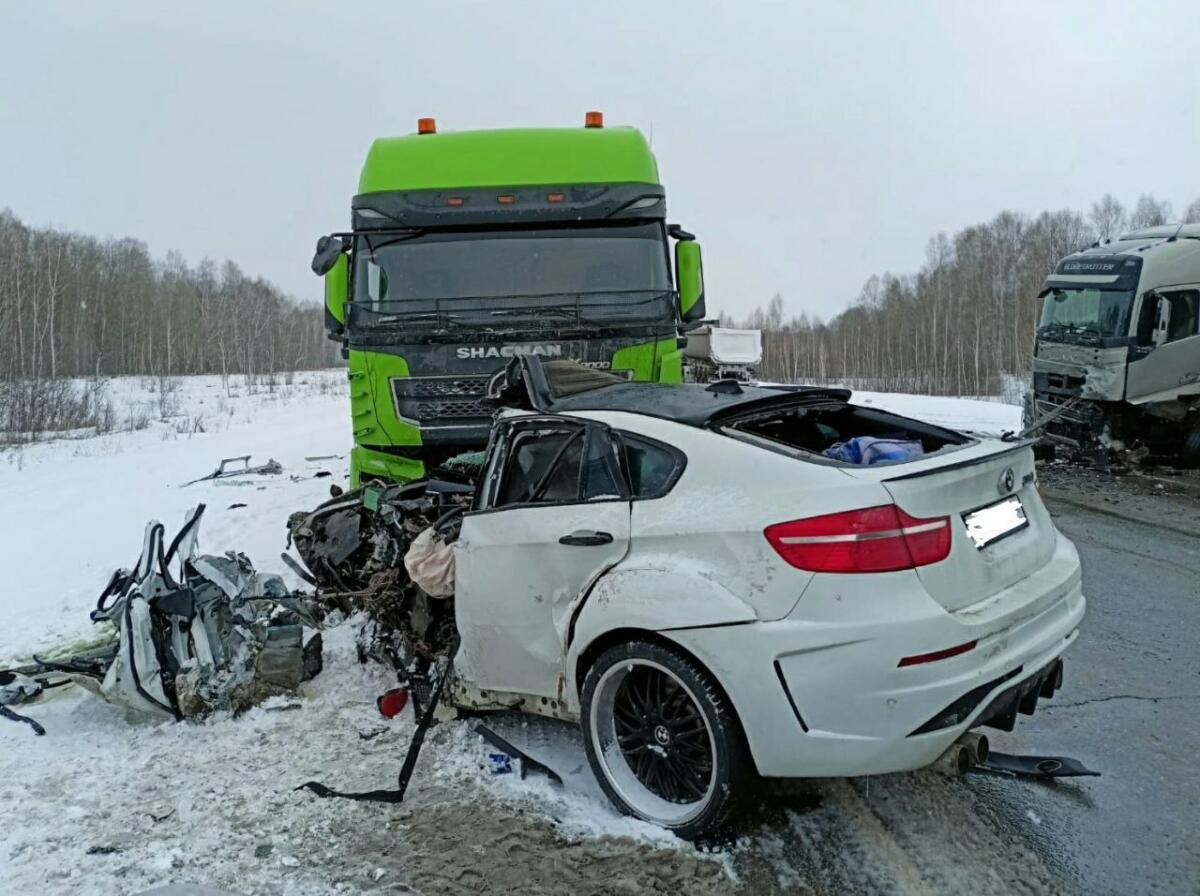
(1117, 359)
(714, 352)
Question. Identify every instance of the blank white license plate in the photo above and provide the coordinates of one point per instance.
(988, 525)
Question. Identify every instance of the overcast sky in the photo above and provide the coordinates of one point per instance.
(807, 145)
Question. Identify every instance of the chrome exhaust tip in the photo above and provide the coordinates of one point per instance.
(955, 762)
(977, 746)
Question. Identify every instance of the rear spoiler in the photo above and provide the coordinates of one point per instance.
(969, 462)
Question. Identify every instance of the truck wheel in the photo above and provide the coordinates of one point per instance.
(663, 740)
(1190, 454)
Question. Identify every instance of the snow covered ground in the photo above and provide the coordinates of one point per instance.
(100, 805)
(984, 416)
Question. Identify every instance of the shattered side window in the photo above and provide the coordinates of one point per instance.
(543, 467)
(563, 483)
(599, 471)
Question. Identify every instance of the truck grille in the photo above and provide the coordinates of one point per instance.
(441, 400)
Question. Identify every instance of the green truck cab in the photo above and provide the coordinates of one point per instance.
(471, 247)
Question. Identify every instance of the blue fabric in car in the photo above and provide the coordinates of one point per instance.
(867, 450)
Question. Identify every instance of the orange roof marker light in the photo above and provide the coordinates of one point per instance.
(426, 126)
(593, 120)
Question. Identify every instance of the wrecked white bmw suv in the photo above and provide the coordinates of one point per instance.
(687, 573)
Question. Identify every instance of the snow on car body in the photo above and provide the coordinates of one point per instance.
(643, 553)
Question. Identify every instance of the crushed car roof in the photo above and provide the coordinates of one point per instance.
(563, 387)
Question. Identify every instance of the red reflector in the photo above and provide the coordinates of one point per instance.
(506, 199)
(875, 539)
(392, 703)
(938, 654)
(454, 200)
(593, 120)
(426, 126)
(555, 197)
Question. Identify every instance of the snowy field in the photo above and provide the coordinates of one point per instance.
(102, 806)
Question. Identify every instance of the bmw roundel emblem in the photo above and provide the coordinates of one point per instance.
(1008, 480)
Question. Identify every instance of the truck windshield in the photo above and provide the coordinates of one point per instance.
(1098, 312)
(595, 272)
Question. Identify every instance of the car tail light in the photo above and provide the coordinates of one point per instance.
(875, 539)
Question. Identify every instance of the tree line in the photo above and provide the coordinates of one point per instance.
(77, 306)
(964, 323)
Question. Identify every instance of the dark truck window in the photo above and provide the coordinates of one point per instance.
(1104, 312)
(1185, 313)
(393, 272)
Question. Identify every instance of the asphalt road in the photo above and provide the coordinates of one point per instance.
(1129, 708)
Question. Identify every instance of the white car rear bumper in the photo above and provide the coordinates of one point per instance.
(821, 695)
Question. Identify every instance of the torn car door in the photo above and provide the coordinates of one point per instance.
(553, 516)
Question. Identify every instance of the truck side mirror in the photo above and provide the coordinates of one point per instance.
(689, 275)
(337, 288)
(329, 248)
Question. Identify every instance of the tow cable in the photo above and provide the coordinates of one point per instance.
(410, 759)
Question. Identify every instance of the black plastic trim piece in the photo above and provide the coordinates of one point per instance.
(961, 708)
(791, 701)
(970, 462)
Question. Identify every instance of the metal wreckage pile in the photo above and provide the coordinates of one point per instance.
(385, 550)
(191, 633)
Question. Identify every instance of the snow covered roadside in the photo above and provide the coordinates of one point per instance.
(977, 415)
(101, 806)
(72, 510)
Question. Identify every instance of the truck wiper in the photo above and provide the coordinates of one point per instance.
(389, 237)
(556, 311)
(1069, 329)
(420, 317)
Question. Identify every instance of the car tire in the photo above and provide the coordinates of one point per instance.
(663, 740)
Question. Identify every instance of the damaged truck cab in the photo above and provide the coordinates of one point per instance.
(469, 248)
(1117, 357)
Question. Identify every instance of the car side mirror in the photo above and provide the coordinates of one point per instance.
(689, 275)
